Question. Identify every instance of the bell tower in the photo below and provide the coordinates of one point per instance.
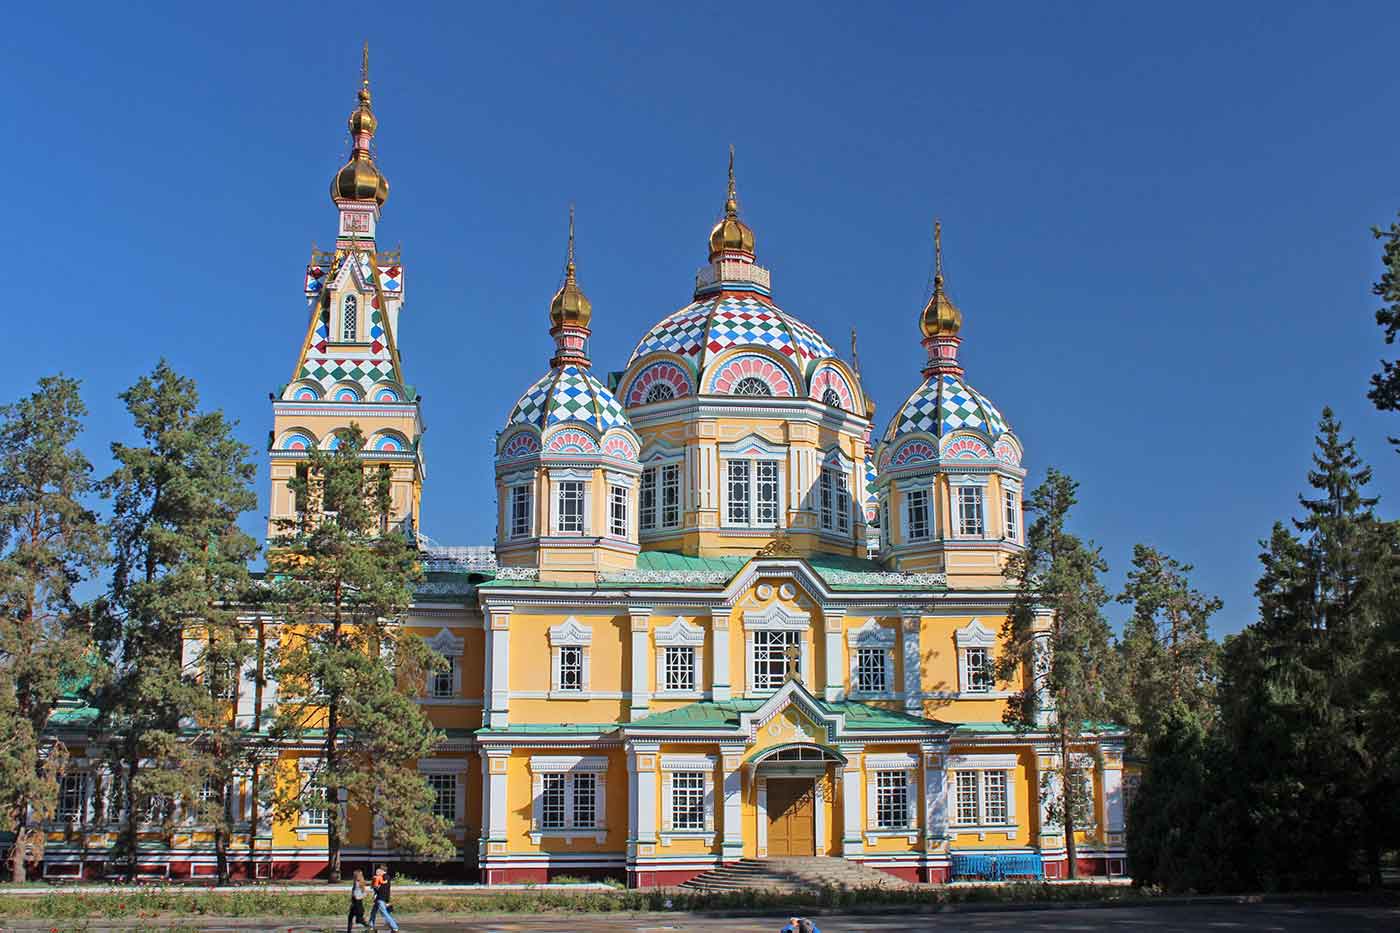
(348, 371)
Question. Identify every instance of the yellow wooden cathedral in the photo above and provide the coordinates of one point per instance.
(723, 617)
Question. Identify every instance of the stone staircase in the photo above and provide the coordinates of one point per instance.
(788, 875)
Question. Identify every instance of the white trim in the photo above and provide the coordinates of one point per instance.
(680, 634)
(570, 634)
(983, 762)
(975, 635)
(895, 761)
(871, 635)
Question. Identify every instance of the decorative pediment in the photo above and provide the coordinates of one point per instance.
(792, 694)
(777, 615)
(570, 632)
(975, 635)
(752, 446)
(680, 633)
(872, 635)
(447, 644)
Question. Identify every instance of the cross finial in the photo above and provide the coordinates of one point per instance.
(793, 655)
(937, 251)
(364, 65)
(570, 267)
(855, 354)
(731, 204)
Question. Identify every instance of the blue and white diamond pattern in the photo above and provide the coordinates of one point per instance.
(943, 405)
(568, 394)
(716, 324)
(959, 407)
(680, 333)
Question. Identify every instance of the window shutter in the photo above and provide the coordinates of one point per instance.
(600, 796)
(871, 797)
(668, 808)
(709, 802)
(1010, 797)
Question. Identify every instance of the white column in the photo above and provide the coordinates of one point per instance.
(498, 665)
(495, 763)
(641, 799)
(732, 846)
(1113, 815)
(719, 657)
(936, 796)
(834, 621)
(641, 668)
(909, 633)
(852, 842)
(1047, 782)
(1040, 662)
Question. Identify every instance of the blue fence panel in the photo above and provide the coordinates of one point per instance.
(997, 867)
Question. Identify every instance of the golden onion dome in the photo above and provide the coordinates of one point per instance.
(941, 318)
(731, 233)
(360, 179)
(570, 306)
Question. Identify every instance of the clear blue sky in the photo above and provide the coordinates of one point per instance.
(1156, 218)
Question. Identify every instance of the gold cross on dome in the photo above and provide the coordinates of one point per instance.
(793, 655)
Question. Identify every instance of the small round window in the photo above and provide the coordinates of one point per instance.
(831, 397)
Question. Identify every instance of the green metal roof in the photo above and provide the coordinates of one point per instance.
(725, 715)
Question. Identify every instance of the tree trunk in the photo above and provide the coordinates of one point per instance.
(332, 801)
(1067, 777)
(129, 827)
(17, 871)
(253, 817)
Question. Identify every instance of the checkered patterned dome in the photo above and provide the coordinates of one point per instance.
(944, 404)
(714, 324)
(568, 394)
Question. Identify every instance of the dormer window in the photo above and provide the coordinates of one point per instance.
(349, 318)
(659, 392)
(752, 385)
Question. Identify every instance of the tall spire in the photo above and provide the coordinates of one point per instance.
(360, 179)
(570, 313)
(940, 320)
(731, 237)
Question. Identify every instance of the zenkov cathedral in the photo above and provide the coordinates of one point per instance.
(721, 619)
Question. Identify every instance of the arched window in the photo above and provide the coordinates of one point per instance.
(831, 397)
(752, 385)
(350, 317)
(659, 392)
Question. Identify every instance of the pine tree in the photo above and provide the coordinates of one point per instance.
(1385, 385)
(50, 542)
(1057, 641)
(1299, 686)
(347, 672)
(180, 565)
(1168, 657)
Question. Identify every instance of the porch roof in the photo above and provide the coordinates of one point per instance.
(708, 714)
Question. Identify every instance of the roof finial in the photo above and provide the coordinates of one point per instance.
(569, 267)
(731, 204)
(937, 252)
(364, 65)
(855, 354)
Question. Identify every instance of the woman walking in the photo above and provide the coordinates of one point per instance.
(357, 902)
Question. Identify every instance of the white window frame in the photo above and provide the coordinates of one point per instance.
(925, 494)
(672, 765)
(834, 500)
(450, 792)
(980, 765)
(307, 823)
(976, 636)
(956, 484)
(572, 485)
(453, 648)
(657, 480)
(349, 305)
(1011, 511)
(568, 767)
(619, 495)
(872, 636)
(752, 451)
(513, 530)
(875, 765)
(79, 814)
(775, 618)
(679, 634)
(457, 768)
(570, 634)
(971, 508)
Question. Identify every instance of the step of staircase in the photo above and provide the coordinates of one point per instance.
(787, 875)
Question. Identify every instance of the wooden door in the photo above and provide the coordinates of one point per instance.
(792, 817)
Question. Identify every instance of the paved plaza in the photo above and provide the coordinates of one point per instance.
(1332, 917)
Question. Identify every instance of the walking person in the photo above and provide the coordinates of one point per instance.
(799, 925)
(381, 899)
(358, 892)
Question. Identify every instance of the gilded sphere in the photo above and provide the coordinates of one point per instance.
(362, 121)
(731, 233)
(360, 180)
(941, 318)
